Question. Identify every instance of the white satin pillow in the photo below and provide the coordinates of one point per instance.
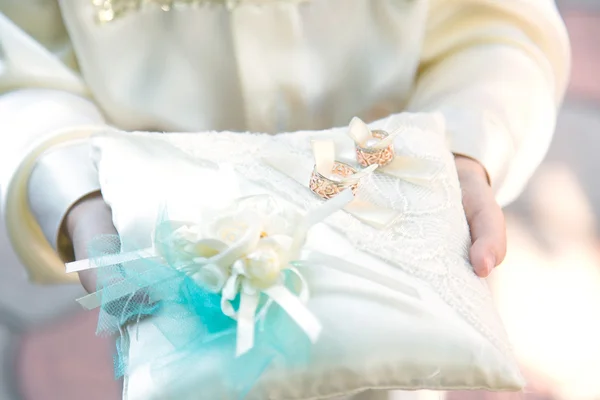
(437, 329)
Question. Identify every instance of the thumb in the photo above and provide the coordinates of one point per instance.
(486, 223)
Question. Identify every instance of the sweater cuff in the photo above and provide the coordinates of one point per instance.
(70, 172)
(32, 122)
(483, 138)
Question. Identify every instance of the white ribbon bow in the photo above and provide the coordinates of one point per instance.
(411, 169)
(239, 261)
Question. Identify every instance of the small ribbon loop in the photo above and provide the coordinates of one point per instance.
(359, 132)
(324, 153)
(296, 309)
(229, 293)
(365, 138)
(246, 321)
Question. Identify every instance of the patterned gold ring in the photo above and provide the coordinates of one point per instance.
(367, 156)
(327, 188)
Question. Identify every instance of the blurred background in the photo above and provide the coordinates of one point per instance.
(548, 289)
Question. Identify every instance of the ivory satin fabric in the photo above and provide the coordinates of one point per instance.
(496, 70)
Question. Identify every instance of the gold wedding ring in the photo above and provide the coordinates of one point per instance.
(329, 187)
(367, 156)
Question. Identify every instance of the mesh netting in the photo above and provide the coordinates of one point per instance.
(189, 317)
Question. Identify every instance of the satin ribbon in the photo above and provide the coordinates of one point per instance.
(293, 305)
(112, 259)
(314, 258)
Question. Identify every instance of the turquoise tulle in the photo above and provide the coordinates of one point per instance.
(191, 319)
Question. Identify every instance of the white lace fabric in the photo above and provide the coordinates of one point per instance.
(429, 241)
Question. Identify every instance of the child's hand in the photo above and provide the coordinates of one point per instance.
(88, 219)
(485, 217)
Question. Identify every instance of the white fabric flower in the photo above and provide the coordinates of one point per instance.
(256, 234)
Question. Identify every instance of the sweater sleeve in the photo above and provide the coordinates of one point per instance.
(497, 71)
(45, 119)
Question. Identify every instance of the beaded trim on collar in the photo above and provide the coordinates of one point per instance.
(110, 10)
